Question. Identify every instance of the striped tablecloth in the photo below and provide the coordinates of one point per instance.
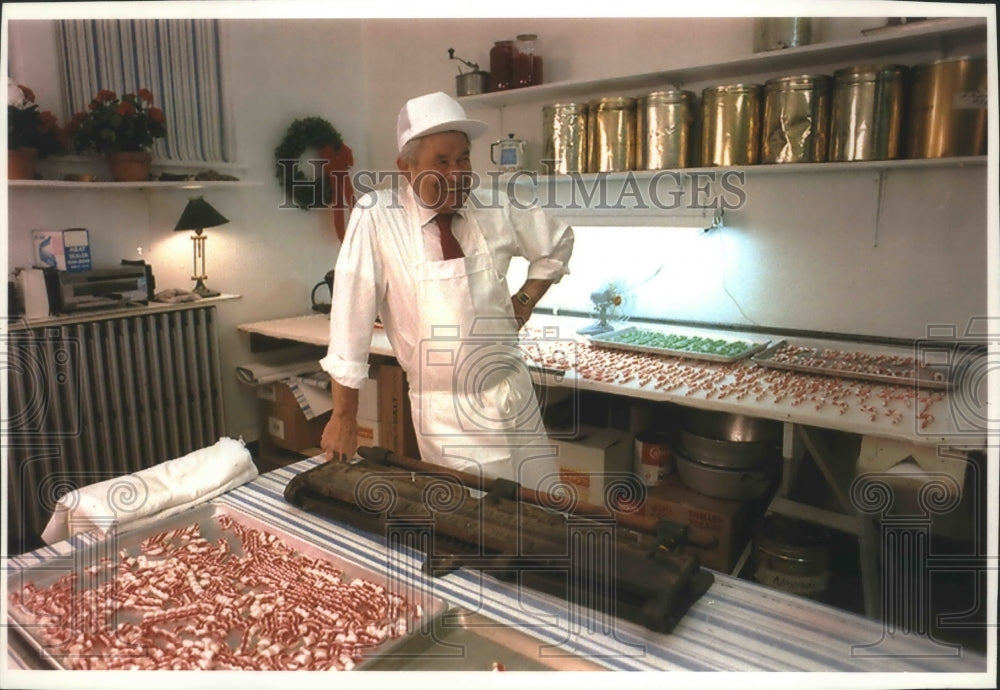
(736, 626)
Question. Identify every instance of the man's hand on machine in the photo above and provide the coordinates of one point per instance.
(340, 439)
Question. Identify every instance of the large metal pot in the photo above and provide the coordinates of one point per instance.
(728, 454)
(724, 426)
(719, 482)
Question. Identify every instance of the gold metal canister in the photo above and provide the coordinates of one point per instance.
(665, 130)
(796, 119)
(611, 134)
(564, 148)
(948, 108)
(866, 117)
(731, 121)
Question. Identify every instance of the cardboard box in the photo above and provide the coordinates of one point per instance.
(589, 459)
(725, 520)
(285, 425)
(64, 250)
(368, 396)
(394, 415)
(369, 433)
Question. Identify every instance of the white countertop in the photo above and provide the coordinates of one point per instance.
(899, 412)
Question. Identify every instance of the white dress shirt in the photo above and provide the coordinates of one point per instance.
(388, 234)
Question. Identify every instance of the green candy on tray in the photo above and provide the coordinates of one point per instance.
(679, 343)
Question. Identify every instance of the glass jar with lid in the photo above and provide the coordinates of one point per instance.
(502, 65)
(527, 61)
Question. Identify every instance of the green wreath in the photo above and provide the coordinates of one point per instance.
(310, 133)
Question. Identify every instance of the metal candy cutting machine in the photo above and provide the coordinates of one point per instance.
(613, 561)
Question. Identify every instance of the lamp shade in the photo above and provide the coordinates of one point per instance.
(199, 214)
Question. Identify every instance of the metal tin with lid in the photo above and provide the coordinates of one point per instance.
(866, 115)
(564, 138)
(948, 114)
(796, 119)
(611, 134)
(665, 124)
(792, 555)
(731, 123)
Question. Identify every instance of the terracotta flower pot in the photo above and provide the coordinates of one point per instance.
(130, 166)
(21, 163)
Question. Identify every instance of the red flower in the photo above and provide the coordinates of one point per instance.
(48, 121)
(28, 93)
(113, 123)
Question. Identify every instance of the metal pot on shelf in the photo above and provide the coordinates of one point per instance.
(725, 483)
(470, 83)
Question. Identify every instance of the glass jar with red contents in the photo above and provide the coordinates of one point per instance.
(502, 65)
(527, 61)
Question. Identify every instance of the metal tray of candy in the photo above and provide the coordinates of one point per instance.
(259, 598)
(878, 365)
(675, 344)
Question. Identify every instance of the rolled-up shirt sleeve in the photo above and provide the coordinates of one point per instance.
(358, 289)
(545, 241)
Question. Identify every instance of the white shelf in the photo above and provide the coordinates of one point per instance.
(64, 185)
(939, 34)
(23, 323)
(766, 169)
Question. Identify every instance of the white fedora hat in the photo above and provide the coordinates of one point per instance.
(433, 113)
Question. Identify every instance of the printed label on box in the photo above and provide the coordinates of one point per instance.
(64, 250)
(276, 427)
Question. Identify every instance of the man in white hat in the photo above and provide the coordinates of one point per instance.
(430, 258)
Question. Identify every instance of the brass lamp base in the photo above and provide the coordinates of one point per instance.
(201, 290)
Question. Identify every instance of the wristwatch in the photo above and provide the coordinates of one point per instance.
(523, 297)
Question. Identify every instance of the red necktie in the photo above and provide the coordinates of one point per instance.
(450, 248)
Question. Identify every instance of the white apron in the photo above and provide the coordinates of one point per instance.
(474, 407)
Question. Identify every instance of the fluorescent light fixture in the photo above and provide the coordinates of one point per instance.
(703, 219)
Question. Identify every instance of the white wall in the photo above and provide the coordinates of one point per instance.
(800, 254)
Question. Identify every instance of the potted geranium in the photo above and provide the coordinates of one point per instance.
(31, 133)
(121, 128)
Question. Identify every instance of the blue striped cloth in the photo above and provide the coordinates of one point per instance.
(736, 626)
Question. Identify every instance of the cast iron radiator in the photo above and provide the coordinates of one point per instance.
(97, 399)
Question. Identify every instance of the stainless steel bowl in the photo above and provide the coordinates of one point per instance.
(718, 482)
(728, 454)
(724, 426)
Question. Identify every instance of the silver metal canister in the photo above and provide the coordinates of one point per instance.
(796, 119)
(774, 33)
(948, 108)
(665, 130)
(611, 134)
(866, 116)
(731, 123)
(564, 127)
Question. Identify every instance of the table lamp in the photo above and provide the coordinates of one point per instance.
(198, 215)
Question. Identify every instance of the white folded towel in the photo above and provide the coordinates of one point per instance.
(134, 500)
